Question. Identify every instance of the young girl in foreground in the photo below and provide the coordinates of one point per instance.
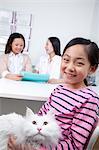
(14, 61)
(75, 104)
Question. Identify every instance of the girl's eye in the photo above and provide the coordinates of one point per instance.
(21, 45)
(34, 122)
(80, 63)
(65, 60)
(45, 123)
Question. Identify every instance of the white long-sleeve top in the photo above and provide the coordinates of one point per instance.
(52, 67)
(11, 63)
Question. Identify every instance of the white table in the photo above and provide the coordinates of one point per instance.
(16, 94)
(28, 90)
(25, 89)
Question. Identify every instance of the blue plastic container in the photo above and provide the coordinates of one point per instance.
(29, 76)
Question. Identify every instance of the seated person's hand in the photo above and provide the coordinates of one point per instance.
(35, 71)
(16, 77)
(56, 81)
(13, 146)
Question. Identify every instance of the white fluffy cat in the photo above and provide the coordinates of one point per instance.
(31, 129)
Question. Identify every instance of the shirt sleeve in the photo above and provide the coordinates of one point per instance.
(84, 122)
(3, 66)
(28, 64)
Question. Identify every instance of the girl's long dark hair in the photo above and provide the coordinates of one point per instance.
(56, 45)
(8, 47)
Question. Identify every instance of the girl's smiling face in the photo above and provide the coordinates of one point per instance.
(17, 45)
(49, 48)
(75, 66)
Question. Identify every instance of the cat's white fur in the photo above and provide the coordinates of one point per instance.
(32, 128)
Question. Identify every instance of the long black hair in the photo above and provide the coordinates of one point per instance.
(8, 47)
(56, 45)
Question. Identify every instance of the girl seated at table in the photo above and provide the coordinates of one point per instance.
(14, 60)
(50, 64)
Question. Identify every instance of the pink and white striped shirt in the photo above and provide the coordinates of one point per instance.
(76, 112)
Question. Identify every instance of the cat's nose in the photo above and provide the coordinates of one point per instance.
(39, 129)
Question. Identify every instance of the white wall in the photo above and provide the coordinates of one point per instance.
(95, 23)
(63, 18)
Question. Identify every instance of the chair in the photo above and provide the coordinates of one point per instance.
(94, 141)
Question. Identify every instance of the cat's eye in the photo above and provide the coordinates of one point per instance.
(45, 123)
(34, 122)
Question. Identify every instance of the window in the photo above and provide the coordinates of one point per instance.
(13, 21)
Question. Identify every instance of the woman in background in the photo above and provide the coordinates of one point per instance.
(51, 63)
(14, 61)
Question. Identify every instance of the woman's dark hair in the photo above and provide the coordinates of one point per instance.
(56, 45)
(91, 49)
(8, 47)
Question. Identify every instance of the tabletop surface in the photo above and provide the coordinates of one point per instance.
(28, 90)
(25, 89)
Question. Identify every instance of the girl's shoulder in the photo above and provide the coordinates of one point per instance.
(95, 89)
(25, 55)
(44, 57)
(4, 56)
(87, 92)
(57, 57)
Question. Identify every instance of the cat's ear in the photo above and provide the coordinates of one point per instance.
(29, 112)
(51, 112)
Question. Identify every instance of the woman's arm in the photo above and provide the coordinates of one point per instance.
(16, 77)
(28, 63)
(3, 65)
(56, 81)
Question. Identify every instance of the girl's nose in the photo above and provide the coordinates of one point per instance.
(70, 66)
